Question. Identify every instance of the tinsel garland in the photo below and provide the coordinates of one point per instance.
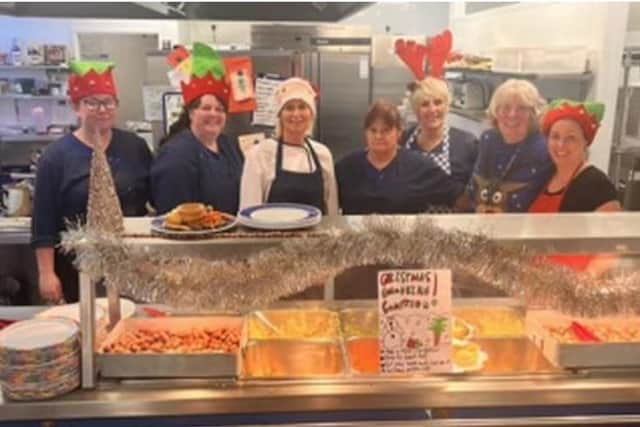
(196, 284)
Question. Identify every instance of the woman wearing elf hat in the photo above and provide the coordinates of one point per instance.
(197, 162)
(62, 179)
(291, 167)
(575, 186)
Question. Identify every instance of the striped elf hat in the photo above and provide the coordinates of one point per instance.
(587, 114)
(90, 78)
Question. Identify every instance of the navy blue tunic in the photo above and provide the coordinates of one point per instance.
(409, 184)
(463, 151)
(186, 171)
(62, 182)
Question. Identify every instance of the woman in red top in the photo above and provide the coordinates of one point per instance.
(576, 186)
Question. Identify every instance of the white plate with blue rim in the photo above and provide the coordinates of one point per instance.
(280, 216)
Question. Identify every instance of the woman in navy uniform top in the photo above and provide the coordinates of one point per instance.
(196, 161)
(385, 178)
(292, 167)
(62, 179)
(452, 150)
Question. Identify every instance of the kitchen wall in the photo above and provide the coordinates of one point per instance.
(599, 26)
(53, 30)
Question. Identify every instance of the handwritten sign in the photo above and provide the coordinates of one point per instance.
(265, 114)
(415, 320)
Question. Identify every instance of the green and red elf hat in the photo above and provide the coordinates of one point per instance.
(207, 76)
(587, 114)
(90, 78)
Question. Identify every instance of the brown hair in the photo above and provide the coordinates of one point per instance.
(183, 122)
(383, 111)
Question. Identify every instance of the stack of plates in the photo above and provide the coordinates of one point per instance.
(39, 359)
(280, 216)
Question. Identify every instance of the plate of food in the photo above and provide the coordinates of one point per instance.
(468, 358)
(280, 216)
(462, 332)
(192, 220)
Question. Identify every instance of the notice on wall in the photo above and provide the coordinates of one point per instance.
(152, 101)
(415, 321)
(264, 114)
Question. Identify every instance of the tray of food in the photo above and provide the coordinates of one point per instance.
(583, 343)
(490, 321)
(291, 344)
(359, 322)
(172, 347)
(192, 221)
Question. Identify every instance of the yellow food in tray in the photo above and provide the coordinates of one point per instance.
(359, 323)
(492, 322)
(467, 356)
(293, 324)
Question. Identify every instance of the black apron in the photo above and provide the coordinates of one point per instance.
(298, 187)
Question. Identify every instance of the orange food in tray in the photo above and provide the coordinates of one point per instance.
(194, 216)
(364, 354)
(594, 331)
(195, 340)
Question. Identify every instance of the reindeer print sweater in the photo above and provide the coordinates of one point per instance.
(508, 177)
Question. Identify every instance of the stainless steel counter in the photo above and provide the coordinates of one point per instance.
(182, 398)
(615, 232)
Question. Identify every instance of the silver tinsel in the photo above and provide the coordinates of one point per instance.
(196, 284)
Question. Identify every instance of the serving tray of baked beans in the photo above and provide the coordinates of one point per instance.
(171, 347)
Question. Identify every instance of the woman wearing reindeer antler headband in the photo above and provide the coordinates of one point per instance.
(453, 150)
(62, 181)
(197, 162)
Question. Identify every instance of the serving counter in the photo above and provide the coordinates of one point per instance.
(516, 377)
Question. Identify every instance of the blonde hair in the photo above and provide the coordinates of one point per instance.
(525, 92)
(430, 87)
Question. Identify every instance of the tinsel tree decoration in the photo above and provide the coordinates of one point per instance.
(196, 284)
(104, 212)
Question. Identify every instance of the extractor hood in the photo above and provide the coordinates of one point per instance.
(230, 11)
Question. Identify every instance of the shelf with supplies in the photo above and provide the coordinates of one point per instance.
(34, 97)
(462, 73)
(61, 67)
(472, 89)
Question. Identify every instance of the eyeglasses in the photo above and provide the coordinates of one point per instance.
(520, 110)
(93, 104)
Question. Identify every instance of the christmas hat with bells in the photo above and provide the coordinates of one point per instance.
(587, 114)
(90, 78)
(206, 77)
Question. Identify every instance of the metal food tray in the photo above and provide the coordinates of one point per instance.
(285, 357)
(359, 322)
(579, 355)
(169, 365)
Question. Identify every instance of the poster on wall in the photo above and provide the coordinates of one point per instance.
(172, 103)
(414, 308)
(264, 114)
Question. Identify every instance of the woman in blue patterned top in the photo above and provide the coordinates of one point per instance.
(513, 163)
(452, 149)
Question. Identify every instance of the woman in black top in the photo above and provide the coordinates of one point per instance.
(386, 178)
